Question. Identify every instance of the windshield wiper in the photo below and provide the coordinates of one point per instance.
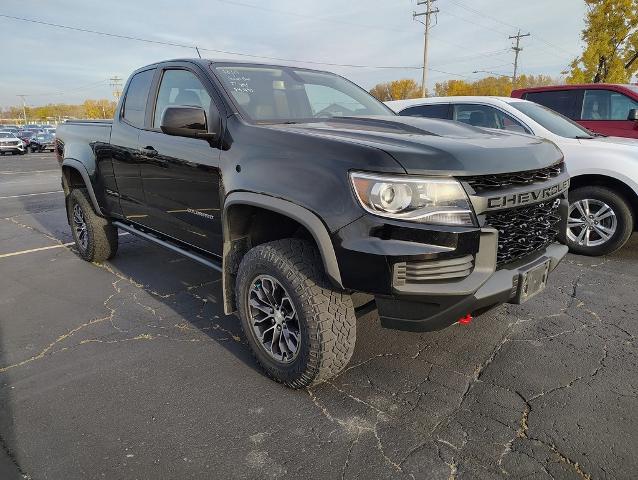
(583, 137)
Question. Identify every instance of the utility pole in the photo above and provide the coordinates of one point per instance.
(24, 107)
(116, 85)
(429, 11)
(517, 49)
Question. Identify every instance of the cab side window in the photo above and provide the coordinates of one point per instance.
(606, 105)
(439, 110)
(180, 88)
(134, 106)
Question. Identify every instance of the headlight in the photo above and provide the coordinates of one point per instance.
(418, 199)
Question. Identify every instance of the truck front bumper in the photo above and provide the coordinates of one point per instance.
(422, 311)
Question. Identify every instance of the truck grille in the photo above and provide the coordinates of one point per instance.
(524, 230)
(431, 270)
(506, 180)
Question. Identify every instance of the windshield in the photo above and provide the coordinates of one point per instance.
(289, 95)
(6, 135)
(26, 133)
(551, 120)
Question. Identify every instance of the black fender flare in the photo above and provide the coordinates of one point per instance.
(289, 209)
(79, 166)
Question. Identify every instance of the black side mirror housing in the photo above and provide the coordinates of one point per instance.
(183, 121)
(633, 115)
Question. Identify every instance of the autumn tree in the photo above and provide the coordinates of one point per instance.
(396, 90)
(495, 86)
(102, 108)
(99, 108)
(611, 38)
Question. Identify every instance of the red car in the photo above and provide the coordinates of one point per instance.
(600, 107)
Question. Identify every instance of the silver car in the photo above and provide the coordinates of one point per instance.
(10, 143)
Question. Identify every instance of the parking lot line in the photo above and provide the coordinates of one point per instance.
(8, 172)
(30, 194)
(32, 250)
(22, 252)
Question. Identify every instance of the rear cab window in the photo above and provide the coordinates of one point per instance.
(134, 106)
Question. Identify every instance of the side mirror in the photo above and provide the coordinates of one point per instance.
(633, 115)
(183, 121)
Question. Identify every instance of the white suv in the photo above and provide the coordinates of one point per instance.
(10, 143)
(604, 170)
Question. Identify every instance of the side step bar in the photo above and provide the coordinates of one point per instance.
(171, 246)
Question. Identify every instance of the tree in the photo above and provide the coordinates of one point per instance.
(396, 90)
(611, 37)
(498, 86)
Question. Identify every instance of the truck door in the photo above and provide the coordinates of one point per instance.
(180, 175)
(125, 150)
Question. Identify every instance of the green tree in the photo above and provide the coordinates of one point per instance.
(611, 38)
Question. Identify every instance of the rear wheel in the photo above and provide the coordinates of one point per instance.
(299, 328)
(95, 237)
(599, 221)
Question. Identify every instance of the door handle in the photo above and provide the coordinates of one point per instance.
(149, 151)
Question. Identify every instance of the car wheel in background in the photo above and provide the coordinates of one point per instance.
(95, 237)
(599, 221)
(299, 328)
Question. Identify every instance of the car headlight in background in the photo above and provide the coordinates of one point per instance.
(418, 199)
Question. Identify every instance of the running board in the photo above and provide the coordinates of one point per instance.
(171, 246)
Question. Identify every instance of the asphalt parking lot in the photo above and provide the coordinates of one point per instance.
(131, 370)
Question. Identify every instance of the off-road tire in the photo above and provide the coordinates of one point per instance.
(624, 217)
(326, 316)
(101, 234)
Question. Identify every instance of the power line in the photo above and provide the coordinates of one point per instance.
(301, 15)
(507, 24)
(226, 52)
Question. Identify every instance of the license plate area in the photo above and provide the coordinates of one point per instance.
(531, 282)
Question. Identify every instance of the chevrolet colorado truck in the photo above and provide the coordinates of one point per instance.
(303, 190)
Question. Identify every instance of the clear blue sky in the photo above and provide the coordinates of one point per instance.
(54, 65)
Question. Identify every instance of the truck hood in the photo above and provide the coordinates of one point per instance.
(431, 147)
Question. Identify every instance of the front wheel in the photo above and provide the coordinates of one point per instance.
(599, 221)
(300, 329)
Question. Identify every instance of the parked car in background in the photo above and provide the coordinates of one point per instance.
(604, 170)
(44, 141)
(603, 108)
(9, 143)
(26, 136)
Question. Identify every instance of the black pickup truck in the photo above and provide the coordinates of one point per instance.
(302, 190)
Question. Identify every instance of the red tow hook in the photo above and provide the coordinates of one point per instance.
(466, 320)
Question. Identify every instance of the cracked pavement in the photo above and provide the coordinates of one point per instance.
(130, 369)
